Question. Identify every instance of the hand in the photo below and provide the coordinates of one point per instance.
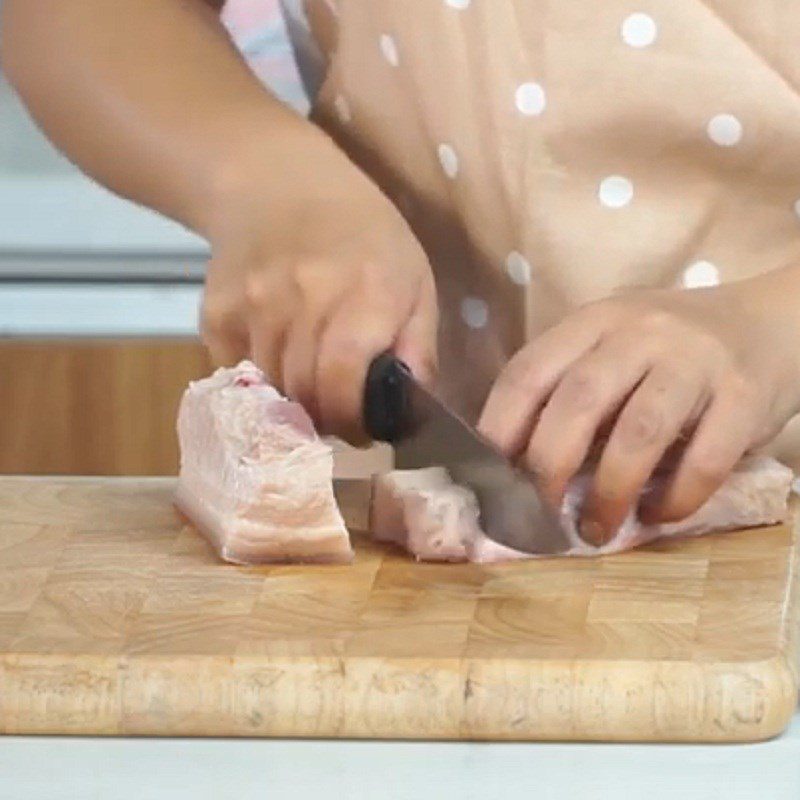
(314, 273)
(705, 373)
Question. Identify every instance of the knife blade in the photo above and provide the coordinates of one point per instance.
(425, 433)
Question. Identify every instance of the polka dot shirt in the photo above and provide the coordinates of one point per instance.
(574, 155)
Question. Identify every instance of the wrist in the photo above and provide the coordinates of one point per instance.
(768, 308)
(280, 164)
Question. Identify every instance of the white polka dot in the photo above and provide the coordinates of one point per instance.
(474, 312)
(518, 268)
(459, 4)
(389, 49)
(531, 99)
(699, 274)
(615, 191)
(639, 30)
(797, 207)
(342, 109)
(725, 130)
(448, 158)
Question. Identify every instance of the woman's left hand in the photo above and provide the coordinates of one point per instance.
(714, 370)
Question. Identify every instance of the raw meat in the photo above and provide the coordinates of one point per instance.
(255, 477)
(436, 520)
(425, 512)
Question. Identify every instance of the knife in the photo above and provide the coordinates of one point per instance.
(425, 433)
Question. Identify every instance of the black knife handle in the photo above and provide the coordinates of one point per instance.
(387, 412)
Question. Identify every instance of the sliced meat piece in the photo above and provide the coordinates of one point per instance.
(755, 493)
(425, 512)
(255, 478)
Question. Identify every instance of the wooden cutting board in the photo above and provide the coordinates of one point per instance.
(115, 618)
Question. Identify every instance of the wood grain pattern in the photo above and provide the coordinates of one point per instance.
(115, 618)
(93, 407)
(109, 408)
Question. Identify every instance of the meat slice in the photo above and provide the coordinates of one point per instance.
(436, 520)
(424, 512)
(255, 478)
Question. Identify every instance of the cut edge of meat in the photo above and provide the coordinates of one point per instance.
(424, 512)
(255, 478)
(410, 508)
(244, 549)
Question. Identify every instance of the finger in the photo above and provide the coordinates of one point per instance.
(270, 305)
(649, 423)
(589, 392)
(222, 335)
(523, 386)
(723, 435)
(267, 342)
(416, 344)
(358, 332)
(225, 351)
(299, 363)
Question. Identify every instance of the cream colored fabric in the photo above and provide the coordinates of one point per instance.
(551, 153)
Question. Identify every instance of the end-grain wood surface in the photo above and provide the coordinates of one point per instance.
(116, 618)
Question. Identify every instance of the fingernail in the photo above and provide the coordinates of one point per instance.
(592, 532)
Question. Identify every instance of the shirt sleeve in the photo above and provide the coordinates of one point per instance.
(274, 37)
(310, 60)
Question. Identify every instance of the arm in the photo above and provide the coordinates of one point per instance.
(313, 271)
(150, 97)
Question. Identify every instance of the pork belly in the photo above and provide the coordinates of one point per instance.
(436, 520)
(254, 476)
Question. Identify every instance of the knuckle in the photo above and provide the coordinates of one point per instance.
(641, 426)
(521, 378)
(307, 273)
(370, 274)
(346, 347)
(741, 388)
(705, 344)
(671, 381)
(765, 429)
(657, 320)
(256, 292)
(603, 309)
(707, 469)
(581, 388)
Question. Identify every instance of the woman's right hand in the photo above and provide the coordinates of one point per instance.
(313, 271)
(313, 274)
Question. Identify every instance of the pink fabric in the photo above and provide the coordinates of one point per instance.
(258, 29)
